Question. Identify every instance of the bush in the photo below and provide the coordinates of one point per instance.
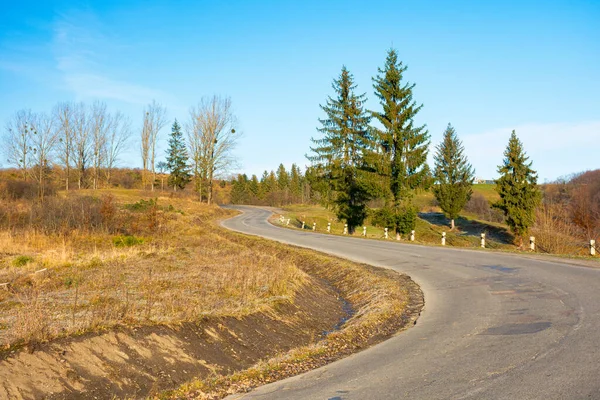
(21, 261)
(142, 205)
(383, 217)
(127, 241)
(480, 206)
(404, 219)
(11, 189)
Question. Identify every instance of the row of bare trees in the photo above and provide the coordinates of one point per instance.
(85, 140)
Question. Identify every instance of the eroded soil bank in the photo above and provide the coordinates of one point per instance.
(140, 362)
(217, 356)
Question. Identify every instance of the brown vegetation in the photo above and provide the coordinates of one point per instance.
(101, 285)
(93, 261)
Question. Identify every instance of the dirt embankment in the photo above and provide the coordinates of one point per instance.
(216, 356)
(138, 362)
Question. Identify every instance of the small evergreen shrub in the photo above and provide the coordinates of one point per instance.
(127, 241)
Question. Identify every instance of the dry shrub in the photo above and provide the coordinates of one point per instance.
(11, 189)
(480, 206)
(554, 232)
(184, 268)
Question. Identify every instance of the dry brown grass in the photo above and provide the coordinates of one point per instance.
(384, 303)
(165, 263)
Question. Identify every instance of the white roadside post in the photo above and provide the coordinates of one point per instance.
(288, 221)
(483, 240)
(281, 219)
(592, 247)
(314, 226)
(532, 243)
(385, 233)
(302, 224)
(364, 231)
(443, 238)
(345, 229)
(329, 227)
(412, 236)
(397, 236)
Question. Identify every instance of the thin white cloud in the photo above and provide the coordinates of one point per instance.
(81, 45)
(556, 149)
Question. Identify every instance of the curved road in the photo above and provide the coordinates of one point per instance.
(495, 326)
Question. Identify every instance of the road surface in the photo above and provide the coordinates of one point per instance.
(495, 326)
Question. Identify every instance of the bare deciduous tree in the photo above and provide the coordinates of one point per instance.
(211, 139)
(17, 141)
(99, 127)
(81, 142)
(119, 132)
(154, 121)
(64, 115)
(43, 142)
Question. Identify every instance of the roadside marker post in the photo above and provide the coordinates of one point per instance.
(345, 229)
(329, 227)
(385, 233)
(314, 226)
(303, 224)
(483, 240)
(532, 243)
(412, 236)
(397, 236)
(364, 231)
(443, 238)
(592, 247)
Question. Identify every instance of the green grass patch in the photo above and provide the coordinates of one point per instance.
(141, 205)
(127, 241)
(22, 261)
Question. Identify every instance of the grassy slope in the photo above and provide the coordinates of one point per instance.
(428, 230)
(179, 270)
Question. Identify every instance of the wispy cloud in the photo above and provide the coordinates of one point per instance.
(82, 48)
(556, 149)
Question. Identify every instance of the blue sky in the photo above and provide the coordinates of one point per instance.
(485, 67)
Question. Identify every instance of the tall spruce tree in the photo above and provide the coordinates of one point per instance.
(453, 175)
(518, 190)
(403, 147)
(177, 159)
(340, 152)
(296, 184)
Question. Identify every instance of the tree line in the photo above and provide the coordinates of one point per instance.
(273, 188)
(85, 140)
(83, 143)
(361, 155)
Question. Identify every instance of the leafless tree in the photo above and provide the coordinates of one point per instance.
(154, 121)
(43, 141)
(119, 132)
(99, 127)
(212, 136)
(64, 115)
(17, 140)
(81, 141)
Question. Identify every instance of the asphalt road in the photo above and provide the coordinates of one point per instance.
(495, 326)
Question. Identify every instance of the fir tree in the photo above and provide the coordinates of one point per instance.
(341, 152)
(517, 187)
(239, 190)
(453, 175)
(282, 177)
(296, 184)
(403, 146)
(254, 189)
(177, 159)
